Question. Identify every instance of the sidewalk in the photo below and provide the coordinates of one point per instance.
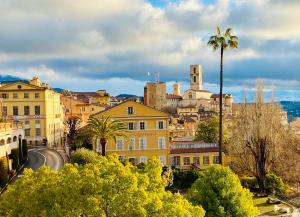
(63, 153)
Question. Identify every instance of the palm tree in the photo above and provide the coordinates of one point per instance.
(223, 42)
(104, 128)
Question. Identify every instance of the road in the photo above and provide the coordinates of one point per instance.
(40, 156)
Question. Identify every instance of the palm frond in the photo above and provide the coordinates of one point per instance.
(228, 33)
(218, 32)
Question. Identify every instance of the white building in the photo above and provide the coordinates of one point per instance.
(11, 135)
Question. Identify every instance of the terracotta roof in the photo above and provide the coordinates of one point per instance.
(217, 95)
(173, 96)
(193, 150)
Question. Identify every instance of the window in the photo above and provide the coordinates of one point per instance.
(130, 126)
(26, 122)
(4, 111)
(142, 125)
(15, 110)
(38, 131)
(4, 95)
(196, 160)
(36, 95)
(195, 70)
(120, 143)
(15, 95)
(143, 159)
(160, 125)
(26, 95)
(216, 159)
(190, 96)
(26, 110)
(131, 145)
(130, 110)
(37, 110)
(186, 161)
(143, 144)
(176, 160)
(162, 159)
(161, 142)
(195, 79)
(206, 160)
(27, 132)
(37, 121)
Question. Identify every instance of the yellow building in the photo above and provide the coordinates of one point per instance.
(38, 107)
(188, 154)
(147, 132)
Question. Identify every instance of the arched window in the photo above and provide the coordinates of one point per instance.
(195, 79)
(8, 141)
(190, 95)
(2, 142)
(15, 139)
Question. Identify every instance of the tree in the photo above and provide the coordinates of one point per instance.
(103, 188)
(260, 142)
(218, 190)
(72, 124)
(84, 156)
(223, 42)
(208, 131)
(3, 171)
(104, 129)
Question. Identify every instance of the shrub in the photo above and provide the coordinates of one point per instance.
(274, 184)
(25, 149)
(220, 193)
(249, 182)
(184, 179)
(15, 157)
(87, 145)
(3, 171)
(84, 156)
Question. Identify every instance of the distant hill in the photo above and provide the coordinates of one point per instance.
(292, 108)
(10, 78)
(124, 95)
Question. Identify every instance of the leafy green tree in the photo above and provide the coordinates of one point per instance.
(24, 150)
(72, 125)
(218, 190)
(14, 155)
(223, 42)
(104, 129)
(274, 183)
(84, 156)
(103, 188)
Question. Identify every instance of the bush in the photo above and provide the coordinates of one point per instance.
(249, 182)
(15, 157)
(220, 193)
(87, 145)
(25, 150)
(184, 179)
(274, 184)
(84, 156)
(3, 171)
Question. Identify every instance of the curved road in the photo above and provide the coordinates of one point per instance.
(38, 157)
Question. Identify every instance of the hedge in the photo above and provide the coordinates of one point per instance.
(3, 171)
(249, 182)
(184, 179)
(25, 150)
(15, 157)
(274, 184)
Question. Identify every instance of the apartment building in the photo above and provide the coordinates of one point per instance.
(147, 133)
(38, 107)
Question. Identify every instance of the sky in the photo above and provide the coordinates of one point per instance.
(113, 44)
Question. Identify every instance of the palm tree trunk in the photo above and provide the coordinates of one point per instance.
(220, 107)
(103, 146)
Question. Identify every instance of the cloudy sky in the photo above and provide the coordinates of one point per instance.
(112, 44)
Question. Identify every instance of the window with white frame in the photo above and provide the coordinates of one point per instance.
(162, 159)
(130, 110)
(160, 125)
(119, 144)
(142, 126)
(176, 160)
(131, 145)
(130, 126)
(186, 161)
(161, 142)
(143, 159)
(143, 143)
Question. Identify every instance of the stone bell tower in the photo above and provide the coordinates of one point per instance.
(196, 77)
